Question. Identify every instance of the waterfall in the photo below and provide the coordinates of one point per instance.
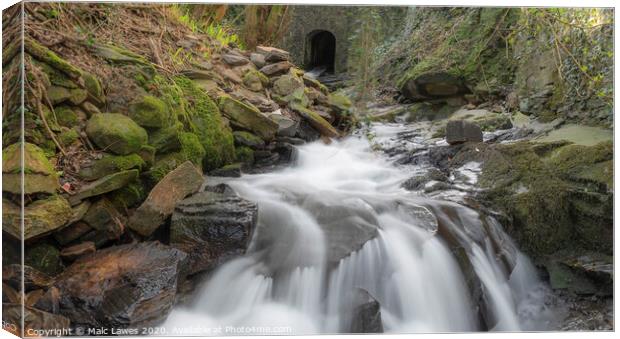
(337, 222)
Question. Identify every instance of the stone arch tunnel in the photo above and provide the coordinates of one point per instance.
(320, 50)
(319, 36)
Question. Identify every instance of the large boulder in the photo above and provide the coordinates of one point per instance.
(248, 117)
(212, 227)
(433, 86)
(116, 133)
(39, 174)
(159, 205)
(460, 131)
(40, 217)
(124, 286)
(348, 223)
(149, 112)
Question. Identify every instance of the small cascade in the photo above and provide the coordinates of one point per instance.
(336, 230)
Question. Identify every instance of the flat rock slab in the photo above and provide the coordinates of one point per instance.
(159, 205)
(104, 185)
(122, 286)
(76, 251)
(212, 227)
(277, 68)
(40, 217)
(460, 131)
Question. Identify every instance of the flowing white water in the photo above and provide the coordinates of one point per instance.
(338, 221)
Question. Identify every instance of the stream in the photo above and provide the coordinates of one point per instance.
(336, 231)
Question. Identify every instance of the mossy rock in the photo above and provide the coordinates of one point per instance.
(206, 122)
(59, 95)
(163, 165)
(93, 86)
(56, 77)
(129, 196)
(255, 80)
(192, 148)
(39, 174)
(116, 133)
(316, 121)
(149, 112)
(286, 84)
(297, 97)
(243, 138)
(248, 117)
(552, 208)
(45, 55)
(110, 164)
(68, 136)
(43, 257)
(340, 103)
(147, 153)
(245, 155)
(66, 116)
(166, 140)
(40, 217)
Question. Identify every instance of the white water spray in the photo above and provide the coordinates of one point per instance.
(295, 280)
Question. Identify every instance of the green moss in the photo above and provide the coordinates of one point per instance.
(149, 111)
(116, 133)
(206, 122)
(43, 54)
(110, 164)
(93, 86)
(66, 116)
(583, 163)
(163, 165)
(466, 52)
(244, 155)
(191, 148)
(68, 137)
(128, 196)
(43, 257)
(56, 77)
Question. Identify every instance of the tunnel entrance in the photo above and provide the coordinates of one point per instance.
(321, 51)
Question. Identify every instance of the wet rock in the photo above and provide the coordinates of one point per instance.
(39, 174)
(212, 228)
(76, 251)
(106, 184)
(123, 286)
(223, 189)
(366, 314)
(434, 85)
(40, 217)
(306, 132)
(32, 278)
(110, 164)
(348, 224)
(316, 121)
(277, 68)
(34, 319)
(234, 59)
(231, 171)
(149, 112)
(247, 139)
(116, 133)
(460, 131)
(159, 205)
(418, 182)
(248, 117)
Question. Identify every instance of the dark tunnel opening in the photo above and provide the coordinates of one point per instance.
(322, 51)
